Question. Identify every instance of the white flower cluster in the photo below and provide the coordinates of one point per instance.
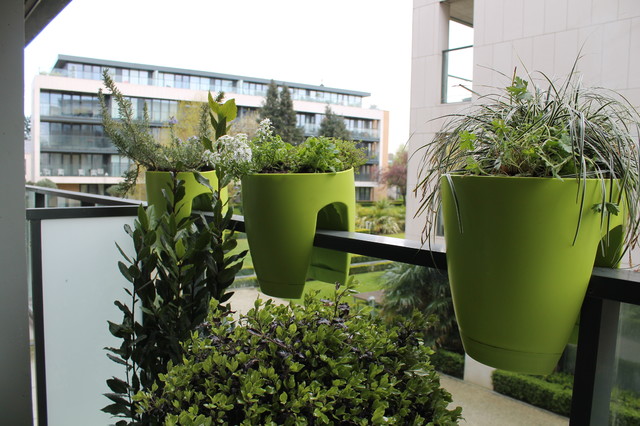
(265, 130)
(233, 155)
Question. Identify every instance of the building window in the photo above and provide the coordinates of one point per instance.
(64, 164)
(457, 64)
(68, 104)
(363, 194)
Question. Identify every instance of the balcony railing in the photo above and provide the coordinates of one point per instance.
(596, 351)
(457, 74)
(227, 87)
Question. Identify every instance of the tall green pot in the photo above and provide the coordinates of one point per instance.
(282, 212)
(517, 278)
(157, 181)
(611, 247)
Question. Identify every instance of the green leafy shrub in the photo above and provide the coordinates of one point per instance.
(178, 266)
(321, 363)
(625, 408)
(315, 155)
(447, 362)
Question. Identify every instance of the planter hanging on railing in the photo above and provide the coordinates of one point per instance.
(611, 246)
(517, 277)
(157, 181)
(282, 212)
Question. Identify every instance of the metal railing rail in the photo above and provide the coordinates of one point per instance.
(608, 288)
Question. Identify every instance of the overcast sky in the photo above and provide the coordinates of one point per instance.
(349, 44)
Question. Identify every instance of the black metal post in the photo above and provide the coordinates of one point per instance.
(40, 199)
(38, 320)
(595, 362)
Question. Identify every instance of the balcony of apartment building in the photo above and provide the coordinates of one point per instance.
(74, 280)
(182, 80)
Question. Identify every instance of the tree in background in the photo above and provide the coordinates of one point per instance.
(189, 119)
(27, 127)
(247, 124)
(271, 106)
(409, 287)
(278, 107)
(396, 173)
(333, 126)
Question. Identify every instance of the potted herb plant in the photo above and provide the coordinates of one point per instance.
(291, 191)
(187, 158)
(528, 181)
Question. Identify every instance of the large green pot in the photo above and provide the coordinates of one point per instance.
(157, 181)
(282, 212)
(611, 246)
(517, 278)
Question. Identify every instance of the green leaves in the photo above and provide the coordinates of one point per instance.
(221, 116)
(179, 265)
(518, 90)
(322, 363)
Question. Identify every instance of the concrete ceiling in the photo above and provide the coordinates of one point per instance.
(461, 11)
(38, 13)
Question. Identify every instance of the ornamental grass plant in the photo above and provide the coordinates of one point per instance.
(563, 130)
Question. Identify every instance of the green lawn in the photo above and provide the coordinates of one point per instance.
(400, 235)
(369, 281)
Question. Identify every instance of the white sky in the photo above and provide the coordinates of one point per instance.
(349, 44)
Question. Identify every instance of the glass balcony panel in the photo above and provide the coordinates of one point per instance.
(624, 405)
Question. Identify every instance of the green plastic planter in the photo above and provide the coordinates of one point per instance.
(157, 181)
(611, 246)
(282, 212)
(517, 279)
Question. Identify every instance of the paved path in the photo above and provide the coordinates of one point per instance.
(484, 407)
(480, 406)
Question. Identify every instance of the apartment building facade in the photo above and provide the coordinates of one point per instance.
(71, 149)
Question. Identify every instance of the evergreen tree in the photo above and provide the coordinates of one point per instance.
(278, 107)
(289, 131)
(333, 126)
(271, 107)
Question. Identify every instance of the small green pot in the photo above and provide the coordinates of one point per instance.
(282, 212)
(157, 181)
(517, 279)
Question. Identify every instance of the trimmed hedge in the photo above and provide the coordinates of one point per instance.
(554, 397)
(554, 393)
(361, 268)
(447, 362)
